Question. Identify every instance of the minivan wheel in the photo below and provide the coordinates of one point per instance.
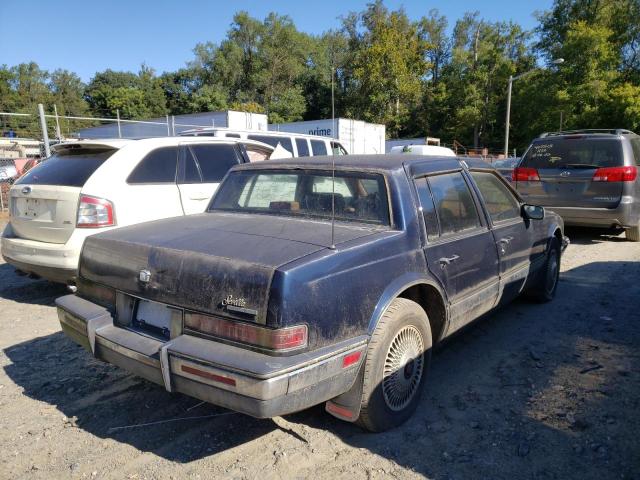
(547, 285)
(633, 233)
(397, 362)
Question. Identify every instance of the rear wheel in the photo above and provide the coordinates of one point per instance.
(397, 362)
(547, 285)
(633, 233)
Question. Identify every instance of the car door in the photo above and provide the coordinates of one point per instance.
(202, 167)
(514, 236)
(460, 249)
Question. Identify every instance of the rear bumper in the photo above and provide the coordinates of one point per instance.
(57, 262)
(253, 383)
(626, 214)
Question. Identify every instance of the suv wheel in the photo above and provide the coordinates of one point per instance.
(398, 359)
(633, 233)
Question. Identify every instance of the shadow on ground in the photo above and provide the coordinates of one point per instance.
(498, 403)
(586, 236)
(27, 290)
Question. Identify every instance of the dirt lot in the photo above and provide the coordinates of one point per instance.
(534, 391)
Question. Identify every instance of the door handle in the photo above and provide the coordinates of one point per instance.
(444, 261)
(505, 240)
(199, 196)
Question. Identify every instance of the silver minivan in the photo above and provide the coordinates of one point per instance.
(589, 177)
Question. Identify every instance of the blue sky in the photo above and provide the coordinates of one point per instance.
(89, 36)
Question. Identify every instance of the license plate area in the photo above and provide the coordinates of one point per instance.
(145, 316)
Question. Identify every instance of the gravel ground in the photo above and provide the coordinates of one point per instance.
(533, 391)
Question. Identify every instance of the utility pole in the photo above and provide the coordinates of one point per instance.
(506, 127)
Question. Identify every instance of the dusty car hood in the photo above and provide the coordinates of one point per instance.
(197, 261)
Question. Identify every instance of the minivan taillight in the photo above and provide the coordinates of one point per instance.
(525, 174)
(615, 174)
(94, 212)
(283, 339)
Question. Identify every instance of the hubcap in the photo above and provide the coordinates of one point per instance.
(403, 368)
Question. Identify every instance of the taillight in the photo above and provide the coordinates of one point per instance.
(525, 174)
(615, 174)
(273, 339)
(95, 212)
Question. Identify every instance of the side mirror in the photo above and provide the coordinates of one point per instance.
(532, 212)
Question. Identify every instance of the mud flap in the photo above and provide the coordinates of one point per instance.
(347, 405)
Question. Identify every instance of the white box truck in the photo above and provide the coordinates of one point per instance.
(355, 135)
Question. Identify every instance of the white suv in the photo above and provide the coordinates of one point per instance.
(86, 187)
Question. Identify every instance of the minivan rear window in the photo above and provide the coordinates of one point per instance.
(69, 168)
(577, 152)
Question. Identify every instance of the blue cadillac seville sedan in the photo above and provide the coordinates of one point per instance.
(308, 281)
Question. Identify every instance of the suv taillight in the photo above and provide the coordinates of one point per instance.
(282, 339)
(95, 212)
(615, 174)
(525, 174)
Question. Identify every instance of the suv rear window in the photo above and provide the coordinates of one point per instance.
(69, 168)
(576, 152)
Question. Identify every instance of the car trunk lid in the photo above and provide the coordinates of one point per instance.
(206, 263)
(44, 213)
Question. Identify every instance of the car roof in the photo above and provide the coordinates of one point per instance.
(593, 132)
(270, 133)
(379, 162)
(117, 143)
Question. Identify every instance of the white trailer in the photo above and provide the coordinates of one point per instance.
(355, 135)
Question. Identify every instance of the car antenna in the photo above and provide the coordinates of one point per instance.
(333, 168)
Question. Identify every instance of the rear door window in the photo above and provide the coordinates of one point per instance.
(273, 140)
(454, 204)
(577, 152)
(303, 147)
(191, 170)
(318, 147)
(158, 166)
(68, 168)
(498, 200)
(215, 160)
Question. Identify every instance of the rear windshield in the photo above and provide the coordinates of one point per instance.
(577, 152)
(359, 197)
(68, 169)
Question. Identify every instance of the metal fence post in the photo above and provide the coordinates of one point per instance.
(173, 125)
(45, 134)
(118, 118)
(58, 133)
(168, 130)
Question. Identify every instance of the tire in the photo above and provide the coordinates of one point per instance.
(633, 233)
(547, 284)
(398, 359)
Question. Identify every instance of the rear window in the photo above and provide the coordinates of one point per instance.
(273, 140)
(67, 169)
(159, 166)
(574, 153)
(635, 145)
(359, 197)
